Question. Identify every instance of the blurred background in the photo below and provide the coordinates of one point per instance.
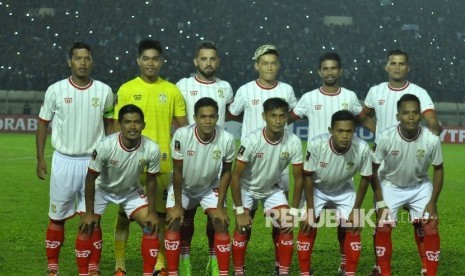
(36, 34)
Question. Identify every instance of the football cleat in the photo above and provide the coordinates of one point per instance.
(375, 271)
(95, 273)
(423, 272)
(119, 272)
(185, 268)
(53, 273)
(161, 272)
(212, 267)
(341, 272)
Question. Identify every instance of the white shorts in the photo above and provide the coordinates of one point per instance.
(414, 197)
(67, 185)
(273, 201)
(130, 202)
(342, 201)
(208, 199)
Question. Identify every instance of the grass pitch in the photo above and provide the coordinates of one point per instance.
(24, 208)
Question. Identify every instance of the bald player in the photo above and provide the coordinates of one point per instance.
(81, 111)
(381, 102)
(162, 103)
(249, 101)
(203, 84)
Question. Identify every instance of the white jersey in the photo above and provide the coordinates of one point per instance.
(334, 170)
(250, 98)
(265, 161)
(319, 107)
(120, 167)
(406, 161)
(383, 99)
(77, 114)
(201, 160)
(192, 89)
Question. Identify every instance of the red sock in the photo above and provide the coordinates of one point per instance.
(149, 250)
(341, 236)
(352, 248)
(383, 245)
(54, 238)
(285, 247)
(305, 243)
(210, 231)
(238, 250)
(275, 237)
(419, 233)
(96, 239)
(223, 252)
(432, 247)
(83, 250)
(172, 250)
(187, 231)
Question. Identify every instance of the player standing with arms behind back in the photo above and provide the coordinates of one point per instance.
(81, 109)
(203, 84)
(161, 102)
(249, 100)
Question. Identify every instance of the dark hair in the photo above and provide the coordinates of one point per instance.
(342, 115)
(205, 101)
(275, 103)
(205, 44)
(147, 44)
(407, 98)
(130, 108)
(78, 45)
(330, 56)
(399, 52)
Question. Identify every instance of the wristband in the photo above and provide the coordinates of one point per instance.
(293, 211)
(380, 204)
(239, 210)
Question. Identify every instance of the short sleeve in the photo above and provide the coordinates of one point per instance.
(245, 151)
(311, 157)
(121, 100)
(230, 150)
(300, 108)
(297, 158)
(49, 105)
(436, 154)
(109, 105)
(229, 94)
(179, 103)
(177, 145)
(367, 161)
(356, 106)
(369, 98)
(153, 165)
(98, 158)
(238, 104)
(292, 101)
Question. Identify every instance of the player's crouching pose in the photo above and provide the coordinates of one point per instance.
(202, 157)
(405, 152)
(332, 161)
(261, 158)
(113, 176)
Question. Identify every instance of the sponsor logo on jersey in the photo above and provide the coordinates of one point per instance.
(220, 93)
(216, 154)
(318, 106)
(420, 153)
(323, 164)
(303, 246)
(259, 155)
(68, 100)
(53, 208)
(395, 152)
(255, 102)
(82, 254)
(142, 163)
(52, 244)
(381, 102)
(433, 256)
(94, 154)
(171, 245)
(350, 166)
(380, 250)
(190, 153)
(177, 145)
(95, 102)
(224, 247)
(113, 162)
(284, 155)
(356, 246)
(307, 157)
(137, 97)
(345, 106)
(194, 93)
(241, 151)
(162, 98)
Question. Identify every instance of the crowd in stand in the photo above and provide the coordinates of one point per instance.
(35, 36)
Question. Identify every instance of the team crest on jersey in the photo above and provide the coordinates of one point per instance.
(95, 102)
(162, 98)
(94, 154)
(350, 166)
(217, 154)
(241, 151)
(420, 153)
(177, 145)
(323, 164)
(395, 152)
(381, 102)
(255, 101)
(137, 97)
(68, 100)
(318, 106)
(220, 93)
(194, 93)
(345, 106)
(142, 163)
(284, 155)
